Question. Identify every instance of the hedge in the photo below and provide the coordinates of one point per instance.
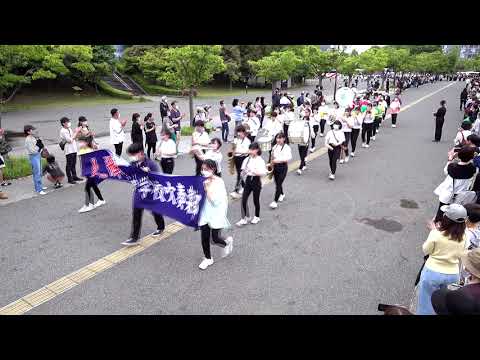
(107, 89)
(186, 130)
(154, 89)
(18, 167)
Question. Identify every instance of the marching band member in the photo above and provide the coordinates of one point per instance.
(333, 141)
(303, 148)
(200, 141)
(213, 216)
(377, 112)
(323, 113)
(253, 123)
(347, 132)
(241, 145)
(253, 168)
(315, 124)
(289, 116)
(167, 152)
(355, 120)
(281, 155)
(367, 126)
(215, 154)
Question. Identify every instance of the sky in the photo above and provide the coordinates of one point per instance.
(359, 48)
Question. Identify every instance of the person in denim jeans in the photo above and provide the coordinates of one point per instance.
(444, 246)
(33, 151)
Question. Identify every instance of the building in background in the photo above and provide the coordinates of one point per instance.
(466, 51)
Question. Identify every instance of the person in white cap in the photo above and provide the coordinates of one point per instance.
(164, 110)
(444, 246)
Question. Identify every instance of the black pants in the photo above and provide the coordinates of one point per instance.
(252, 184)
(89, 186)
(367, 129)
(225, 131)
(151, 146)
(322, 125)
(285, 132)
(137, 222)
(348, 136)
(315, 132)
(438, 128)
(279, 175)
(251, 138)
(462, 103)
(70, 168)
(302, 151)
(376, 125)
(118, 149)
(394, 119)
(167, 165)
(238, 160)
(198, 166)
(206, 230)
(354, 137)
(333, 156)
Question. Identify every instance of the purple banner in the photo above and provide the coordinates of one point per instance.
(178, 197)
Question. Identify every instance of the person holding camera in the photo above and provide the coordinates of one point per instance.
(34, 146)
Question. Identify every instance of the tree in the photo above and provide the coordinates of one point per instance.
(418, 49)
(319, 62)
(453, 55)
(232, 59)
(374, 60)
(185, 67)
(279, 65)
(398, 59)
(103, 59)
(348, 66)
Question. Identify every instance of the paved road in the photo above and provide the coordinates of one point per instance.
(331, 248)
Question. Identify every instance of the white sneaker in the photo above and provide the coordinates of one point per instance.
(378, 130)
(44, 188)
(42, 193)
(100, 203)
(312, 149)
(394, 126)
(342, 161)
(227, 250)
(273, 205)
(352, 154)
(367, 146)
(304, 168)
(373, 138)
(88, 208)
(331, 177)
(255, 220)
(346, 159)
(363, 145)
(205, 263)
(281, 198)
(242, 222)
(241, 191)
(299, 172)
(321, 135)
(235, 195)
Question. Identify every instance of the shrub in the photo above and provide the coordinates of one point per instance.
(18, 167)
(107, 89)
(186, 130)
(154, 89)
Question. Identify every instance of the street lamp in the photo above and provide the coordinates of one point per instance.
(335, 88)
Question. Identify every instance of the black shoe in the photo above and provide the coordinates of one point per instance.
(6, 183)
(130, 242)
(77, 179)
(72, 182)
(157, 233)
(435, 140)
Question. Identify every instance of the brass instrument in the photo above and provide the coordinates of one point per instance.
(196, 151)
(270, 168)
(231, 160)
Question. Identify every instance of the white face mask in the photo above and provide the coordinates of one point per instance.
(206, 173)
(336, 127)
(69, 125)
(133, 158)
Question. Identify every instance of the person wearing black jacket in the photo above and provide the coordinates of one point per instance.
(439, 119)
(164, 110)
(463, 98)
(137, 133)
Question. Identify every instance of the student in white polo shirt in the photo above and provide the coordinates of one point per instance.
(281, 155)
(68, 137)
(241, 144)
(167, 152)
(117, 133)
(200, 141)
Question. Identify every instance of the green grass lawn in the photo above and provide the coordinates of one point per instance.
(17, 167)
(42, 100)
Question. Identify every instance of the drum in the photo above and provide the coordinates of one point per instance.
(299, 132)
(265, 143)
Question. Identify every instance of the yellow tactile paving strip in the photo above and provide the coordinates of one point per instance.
(50, 291)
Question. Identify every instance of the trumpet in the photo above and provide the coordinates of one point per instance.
(231, 160)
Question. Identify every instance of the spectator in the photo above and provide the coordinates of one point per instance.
(164, 110)
(167, 152)
(150, 135)
(463, 98)
(34, 145)
(238, 111)
(175, 122)
(466, 300)
(68, 137)
(137, 127)
(55, 174)
(463, 133)
(2, 165)
(473, 226)
(444, 246)
(224, 119)
(117, 133)
(5, 148)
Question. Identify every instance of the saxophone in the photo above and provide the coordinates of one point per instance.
(270, 168)
(231, 160)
